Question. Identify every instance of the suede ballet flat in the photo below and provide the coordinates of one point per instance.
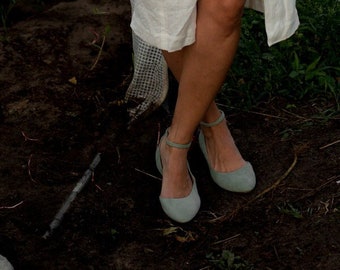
(241, 180)
(184, 209)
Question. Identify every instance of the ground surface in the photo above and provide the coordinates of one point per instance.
(51, 129)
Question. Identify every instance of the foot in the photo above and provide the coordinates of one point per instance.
(222, 152)
(176, 181)
(179, 196)
(227, 167)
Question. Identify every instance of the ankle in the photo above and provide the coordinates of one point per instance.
(213, 119)
(177, 138)
(171, 153)
(215, 131)
(176, 153)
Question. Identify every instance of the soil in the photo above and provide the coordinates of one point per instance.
(59, 108)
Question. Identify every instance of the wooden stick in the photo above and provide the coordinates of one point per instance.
(77, 189)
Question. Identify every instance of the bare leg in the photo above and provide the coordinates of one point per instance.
(223, 153)
(203, 70)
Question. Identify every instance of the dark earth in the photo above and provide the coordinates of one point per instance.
(60, 107)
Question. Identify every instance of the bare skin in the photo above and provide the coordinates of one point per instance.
(200, 70)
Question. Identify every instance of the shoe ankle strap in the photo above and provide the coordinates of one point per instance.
(215, 123)
(176, 145)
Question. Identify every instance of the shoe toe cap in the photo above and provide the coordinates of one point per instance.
(242, 180)
(182, 210)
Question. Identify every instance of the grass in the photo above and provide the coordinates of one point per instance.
(289, 210)
(6, 7)
(227, 260)
(304, 67)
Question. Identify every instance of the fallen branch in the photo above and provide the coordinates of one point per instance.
(272, 187)
(77, 189)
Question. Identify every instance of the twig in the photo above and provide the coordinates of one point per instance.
(206, 267)
(96, 185)
(268, 115)
(280, 117)
(330, 144)
(155, 177)
(118, 154)
(296, 115)
(326, 205)
(11, 207)
(310, 118)
(29, 168)
(314, 191)
(278, 182)
(99, 54)
(28, 138)
(94, 41)
(263, 114)
(277, 254)
(272, 187)
(299, 189)
(226, 240)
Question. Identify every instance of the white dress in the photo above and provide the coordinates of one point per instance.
(170, 24)
(281, 18)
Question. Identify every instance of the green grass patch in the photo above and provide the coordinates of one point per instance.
(304, 67)
(289, 210)
(227, 260)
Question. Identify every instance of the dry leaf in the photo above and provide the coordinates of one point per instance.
(170, 230)
(73, 80)
(185, 239)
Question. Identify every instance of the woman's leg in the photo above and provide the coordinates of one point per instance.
(223, 153)
(202, 71)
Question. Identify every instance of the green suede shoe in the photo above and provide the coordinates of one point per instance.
(241, 180)
(179, 209)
